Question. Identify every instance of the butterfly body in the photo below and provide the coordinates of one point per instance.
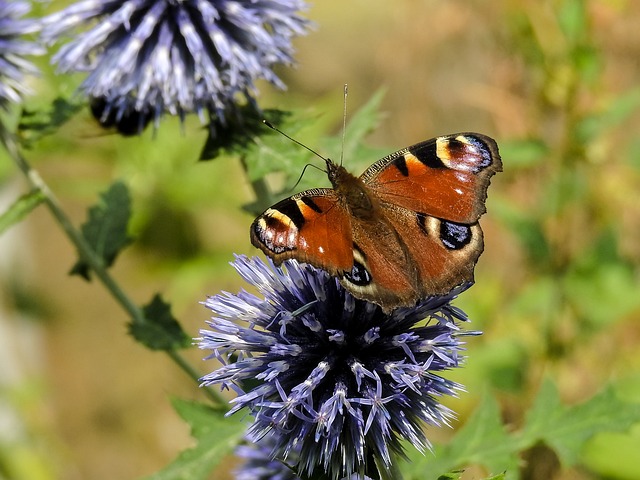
(406, 229)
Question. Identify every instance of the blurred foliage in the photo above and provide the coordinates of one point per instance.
(216, 437)
(567, 429)
(554, 81)
(36, 124)
(485, 441)
(20, 209)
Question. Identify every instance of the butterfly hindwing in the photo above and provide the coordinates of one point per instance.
(431, 257)
(444, 252)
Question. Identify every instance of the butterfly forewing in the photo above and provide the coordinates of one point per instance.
(312, 226)
(445, 177)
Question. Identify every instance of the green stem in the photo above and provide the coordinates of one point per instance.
(89, 256)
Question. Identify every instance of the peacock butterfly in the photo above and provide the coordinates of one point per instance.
(406, 229)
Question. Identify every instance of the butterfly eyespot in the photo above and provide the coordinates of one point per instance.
(359, 275)
(269, 231)
(482, 148)
(454, 236)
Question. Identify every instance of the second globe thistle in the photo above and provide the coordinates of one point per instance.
(342, 383)
(149, 57)
(13, 50)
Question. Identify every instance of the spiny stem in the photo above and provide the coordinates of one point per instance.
(88, 255)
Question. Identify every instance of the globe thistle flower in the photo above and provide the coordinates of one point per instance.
(148, 57)
(342, 383)
(13, 49)
(259, 464)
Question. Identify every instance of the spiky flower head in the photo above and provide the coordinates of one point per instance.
(259, 464)
(13, 48)
(148, 57)
(342, 383)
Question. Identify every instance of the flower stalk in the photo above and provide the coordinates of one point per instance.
(88, 254)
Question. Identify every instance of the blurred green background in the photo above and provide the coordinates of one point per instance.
(556, 83)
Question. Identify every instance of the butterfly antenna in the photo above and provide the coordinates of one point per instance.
(302, 174)
(344, 122)
(272, 127)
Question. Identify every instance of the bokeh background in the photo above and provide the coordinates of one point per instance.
(555, 82)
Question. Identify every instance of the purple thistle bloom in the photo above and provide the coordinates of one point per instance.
(259, 463)
(342, 383)
(147, 57)
(13, 67)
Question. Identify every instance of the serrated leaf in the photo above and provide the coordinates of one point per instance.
(106, 227)
(481, 441)
(36, 124)
(567, 428)
(216, 437)
(273, 152)
(237, 134)
(20, 209)
(160, 330)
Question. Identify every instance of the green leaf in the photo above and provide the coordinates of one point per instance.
(566, 429)
(451, 476)
(482, 441)
(614, 455)
(20, 209)
(106, 227)
(269, 152)
(34, 125)
(160, 330)
(216, 437)
(237, 135)
(263, 150)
